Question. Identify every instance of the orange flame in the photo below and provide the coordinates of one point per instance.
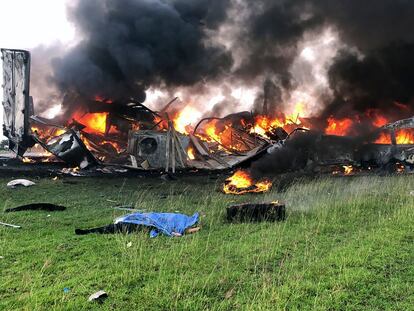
(27, 160)
(94, 122)
(211, 131)
(116, 146)
(47, 133)
(184, 119)
(339, 127)
(241, 182)
(348, 169)
(379, 121)
(190, 153)
(403, 137)
(263, 124)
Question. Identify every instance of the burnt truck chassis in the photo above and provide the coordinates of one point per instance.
(329, 151)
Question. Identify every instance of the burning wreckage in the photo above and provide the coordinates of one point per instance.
(120, 135)
(110, 133)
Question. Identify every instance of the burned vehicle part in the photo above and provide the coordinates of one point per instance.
(65, 144)
(70, 148)
(384, 154)
(17, 104)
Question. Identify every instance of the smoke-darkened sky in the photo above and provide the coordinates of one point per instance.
(125, 47)
(128, 46)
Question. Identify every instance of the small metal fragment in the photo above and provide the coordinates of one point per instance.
(100, 295)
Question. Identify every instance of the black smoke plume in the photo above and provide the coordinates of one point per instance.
(376, 76)
(129, 45)
(383, 79)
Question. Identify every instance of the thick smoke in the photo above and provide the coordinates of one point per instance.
(44, 91)
(383, 79)
(373, 71)
(376, 70)
(129, 45)
(270, 35)
(293, 156)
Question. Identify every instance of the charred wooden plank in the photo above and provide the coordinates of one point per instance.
(202, 149)
(273, 211)
(198, 145)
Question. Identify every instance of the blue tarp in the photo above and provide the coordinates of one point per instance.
(167, 223)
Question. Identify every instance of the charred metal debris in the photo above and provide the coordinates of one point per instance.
(134, 137)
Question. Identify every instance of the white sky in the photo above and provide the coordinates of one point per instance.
(25, 24)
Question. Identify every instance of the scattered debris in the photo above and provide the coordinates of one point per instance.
(20, 182)
(98, 296)
(66, 290)
(145, 165)
(412, 192)
(9, 225)
(112, 228)
(125, 208)
(36, 207)
(70, 148)
(122, 135)
(273, 211)
(129, 244)
(71, 171)
(229, 293)
(168, 177)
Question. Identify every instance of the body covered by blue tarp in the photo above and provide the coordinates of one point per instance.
(167, 223)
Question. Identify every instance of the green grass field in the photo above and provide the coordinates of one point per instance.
(347, 244)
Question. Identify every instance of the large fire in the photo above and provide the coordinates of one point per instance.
(190, 153)
(241, 182)
(222, 131)
(93, 132)
(374, 118)
(212, 132)
(235, 134)
(263, 123)
(185, 118)
(340, 127)
(402, 137)
(94, 122)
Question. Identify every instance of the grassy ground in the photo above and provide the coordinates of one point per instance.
(347, 244)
